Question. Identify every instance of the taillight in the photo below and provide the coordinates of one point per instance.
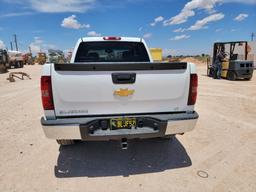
(112, 38)
(46, 92)
(193, 89)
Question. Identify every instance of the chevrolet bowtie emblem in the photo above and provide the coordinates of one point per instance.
(124, 92)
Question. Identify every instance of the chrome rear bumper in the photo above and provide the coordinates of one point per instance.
(157, 125)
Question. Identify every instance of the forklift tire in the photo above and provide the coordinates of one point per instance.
(231, 76)
(248, 79)
(167, 138)
(65, 142)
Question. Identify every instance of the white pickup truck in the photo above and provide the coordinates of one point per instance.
(112, 90)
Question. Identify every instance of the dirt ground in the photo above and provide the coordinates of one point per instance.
(219, 155)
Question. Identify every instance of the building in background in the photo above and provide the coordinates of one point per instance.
(252, 53)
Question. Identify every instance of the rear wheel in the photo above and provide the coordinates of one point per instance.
(65, 141)
(231, 75)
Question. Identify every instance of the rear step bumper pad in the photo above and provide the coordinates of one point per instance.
(155, 125)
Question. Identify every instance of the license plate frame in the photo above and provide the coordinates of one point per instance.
(123, 123)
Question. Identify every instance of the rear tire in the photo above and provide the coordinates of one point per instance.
(65, 141)
(231, 76)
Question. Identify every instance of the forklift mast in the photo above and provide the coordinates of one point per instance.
(232, 56)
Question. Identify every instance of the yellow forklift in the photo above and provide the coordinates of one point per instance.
(235, 64)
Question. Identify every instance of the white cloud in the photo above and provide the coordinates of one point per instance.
(167, 52)
(35, 48)
(147, 35)
(179, 30)
(233, 30)
(38, 40)
(240, 1)
(180, 37)
(93, 34)
(16, 14)
(72, 23)
(218, 30)
(39, 45)
(81, 6)
(2, 45)
(189, 11)
(202, 23)
(157, 20)
(140, 29)
(57, 6)
(202, 4)
(241, 17)
(49, 46)
(68, 6)
(180, 18)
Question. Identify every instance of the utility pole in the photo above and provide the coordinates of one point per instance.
(15, 41)
(11, 45)
(252, 36)
(30, 51)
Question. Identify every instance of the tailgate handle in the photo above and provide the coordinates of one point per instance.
(123, 78)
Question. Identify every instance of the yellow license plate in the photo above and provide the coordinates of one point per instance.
(123, 123)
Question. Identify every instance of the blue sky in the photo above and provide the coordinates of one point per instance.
(177, 26)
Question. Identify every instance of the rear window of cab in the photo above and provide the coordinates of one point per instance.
(111, 52)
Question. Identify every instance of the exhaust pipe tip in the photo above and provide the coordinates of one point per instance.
(124, 144)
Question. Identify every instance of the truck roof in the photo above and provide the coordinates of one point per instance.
(130, 39)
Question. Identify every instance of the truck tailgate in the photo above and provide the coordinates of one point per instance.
(88, 89)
